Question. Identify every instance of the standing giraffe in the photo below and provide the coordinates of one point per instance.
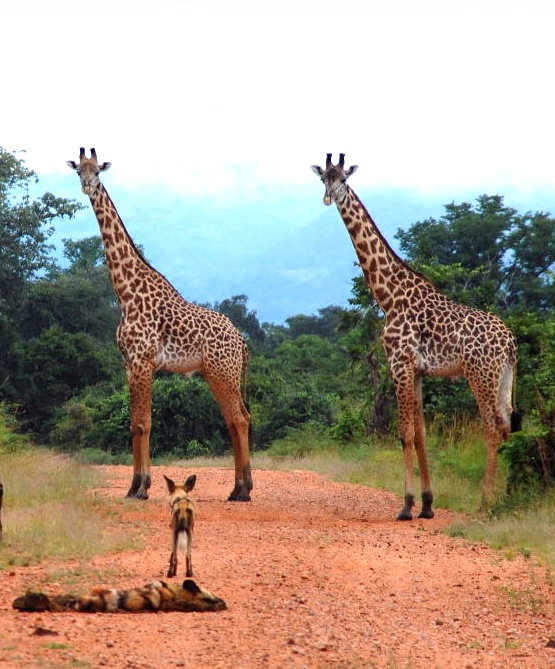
(159, 330)
(426, 333)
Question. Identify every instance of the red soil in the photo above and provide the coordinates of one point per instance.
(314, 573)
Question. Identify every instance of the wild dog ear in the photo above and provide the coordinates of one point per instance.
(170, 484)
(190, 586)
(190, 482)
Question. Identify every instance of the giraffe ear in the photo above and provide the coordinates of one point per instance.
(317, 170)
(104, 167)
(351, 170)
(72, 164)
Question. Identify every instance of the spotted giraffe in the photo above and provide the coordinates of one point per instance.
(426, 333)
(159, 330)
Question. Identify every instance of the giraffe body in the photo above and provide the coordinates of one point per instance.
(426, 333)
(159, 330)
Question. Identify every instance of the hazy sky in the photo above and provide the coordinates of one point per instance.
(223, 106)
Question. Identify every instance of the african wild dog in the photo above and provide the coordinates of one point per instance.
(182, 522)
(154, 596)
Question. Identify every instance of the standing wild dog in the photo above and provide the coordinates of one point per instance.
(182, 523)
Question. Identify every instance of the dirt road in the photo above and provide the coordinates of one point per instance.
(315, 575)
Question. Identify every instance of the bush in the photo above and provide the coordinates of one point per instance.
(531, 462)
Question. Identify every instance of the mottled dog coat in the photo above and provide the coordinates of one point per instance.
(154, 596)
(182, 523)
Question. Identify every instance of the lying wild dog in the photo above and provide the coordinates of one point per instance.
(154, 596)
(182, 523)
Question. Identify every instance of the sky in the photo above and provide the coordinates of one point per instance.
(211, 113)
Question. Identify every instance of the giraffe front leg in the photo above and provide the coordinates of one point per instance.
(139, 387)
(141, 480)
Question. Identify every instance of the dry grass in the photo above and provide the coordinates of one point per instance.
(48, 511)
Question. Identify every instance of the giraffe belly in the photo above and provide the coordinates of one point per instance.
(439, 363)
(170, 361)
(442, 367)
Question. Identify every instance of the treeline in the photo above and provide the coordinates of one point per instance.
(62, 375)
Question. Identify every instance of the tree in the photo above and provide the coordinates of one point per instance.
(55, 367)
(24, 252)
(235, 308)
(324, 325)
(77, 299)
(24, 229)
(486, 255)
(84, 255)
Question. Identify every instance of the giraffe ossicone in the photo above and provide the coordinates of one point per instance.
(160, 330)
(427, 334)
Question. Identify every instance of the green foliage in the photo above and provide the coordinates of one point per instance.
(186, 421)
(300, 442)
(10, 439)
(185, 416)
(486, 255)
(350, 424)
(54, 368)
(235, 308)
(530, 458)
(24, 229)
(105, 419)
(75, 303)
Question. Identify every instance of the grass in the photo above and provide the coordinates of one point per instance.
(49, 510)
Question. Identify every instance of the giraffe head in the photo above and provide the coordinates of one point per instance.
(88, 170)
(334, 178)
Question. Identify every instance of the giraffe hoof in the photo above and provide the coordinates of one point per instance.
(404, 515)
(426, 513)
(139, 494)
(239, 496)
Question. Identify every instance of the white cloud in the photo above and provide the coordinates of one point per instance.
(230, 102)
(419, 93)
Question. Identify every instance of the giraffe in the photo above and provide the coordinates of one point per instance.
(426, 333)
(159, 330)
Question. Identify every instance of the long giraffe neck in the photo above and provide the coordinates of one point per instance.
(386, 274)
(124, 260)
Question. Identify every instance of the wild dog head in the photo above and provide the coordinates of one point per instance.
(183, 512)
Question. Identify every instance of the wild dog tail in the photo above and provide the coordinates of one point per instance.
(184, 523)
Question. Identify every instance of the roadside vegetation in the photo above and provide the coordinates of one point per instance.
(50, 510)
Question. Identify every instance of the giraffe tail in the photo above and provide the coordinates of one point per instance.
(516, 413)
